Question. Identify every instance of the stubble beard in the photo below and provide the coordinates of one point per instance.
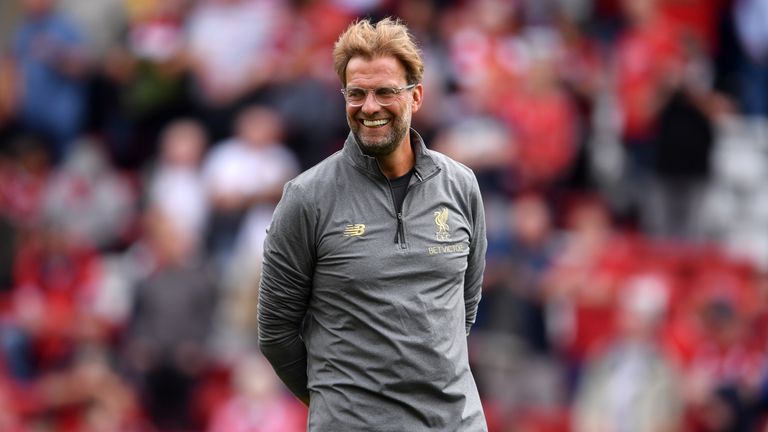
(383, 146)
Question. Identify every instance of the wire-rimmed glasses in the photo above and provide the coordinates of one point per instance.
(384, 96)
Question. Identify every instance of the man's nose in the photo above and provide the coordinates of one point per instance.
(370, 105)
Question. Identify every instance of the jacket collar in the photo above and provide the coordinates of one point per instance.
(425, 165)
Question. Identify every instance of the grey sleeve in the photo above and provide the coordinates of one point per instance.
(473, 278)
(285, 288)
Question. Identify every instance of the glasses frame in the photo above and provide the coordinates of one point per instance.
(396, 90)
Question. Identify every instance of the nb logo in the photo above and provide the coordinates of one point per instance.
(354, 230)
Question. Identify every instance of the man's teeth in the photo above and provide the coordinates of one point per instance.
(374, 123)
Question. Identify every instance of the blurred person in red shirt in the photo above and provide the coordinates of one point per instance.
(540, 114)
(582, 284)
(511, 72)
(24, 174)
(483, 44)
(698, 21)
(663, 87)
(648, 63)
(55, 280)
(724, 352)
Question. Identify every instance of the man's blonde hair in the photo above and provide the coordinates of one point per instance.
(387, 38)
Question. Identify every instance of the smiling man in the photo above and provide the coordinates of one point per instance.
(374, 259)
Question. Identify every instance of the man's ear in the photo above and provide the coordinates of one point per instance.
(417, 99)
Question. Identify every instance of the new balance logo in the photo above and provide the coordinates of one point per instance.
(354, 230)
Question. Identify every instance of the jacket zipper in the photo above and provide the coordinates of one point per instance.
(400, 234)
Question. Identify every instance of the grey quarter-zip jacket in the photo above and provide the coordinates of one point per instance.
(363, 310)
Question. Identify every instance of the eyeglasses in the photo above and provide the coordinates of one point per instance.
(384, 96)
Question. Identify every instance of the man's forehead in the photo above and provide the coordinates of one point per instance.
(379, 68)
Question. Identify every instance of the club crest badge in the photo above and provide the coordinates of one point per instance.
(441, 225)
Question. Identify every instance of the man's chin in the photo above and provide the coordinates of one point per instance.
(375, 147)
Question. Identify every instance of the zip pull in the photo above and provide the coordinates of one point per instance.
(400, 235)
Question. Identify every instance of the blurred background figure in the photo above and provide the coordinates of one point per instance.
(259, 403)
(632, 385)
(582, 283)
(54, 278)
(168, 330)
(233, 54)
(749, 17)
(51, 65)
(176, 186)
(540, 114)
(143, 81)
(512, 342)
(244, 177)
(90, 199)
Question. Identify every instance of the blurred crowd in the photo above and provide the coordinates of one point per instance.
(620, 146)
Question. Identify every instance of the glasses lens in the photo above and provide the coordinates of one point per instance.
(385, 95)
(355, 95)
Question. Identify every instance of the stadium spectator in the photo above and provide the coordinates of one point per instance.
(491, 155)
(258, 402)
(540, 115)
(312, 130)
(522, 382)
(166, 336)
(749, 16)
(55, 278)
(632, 385)
(24, 176)
(144, 82)
(175, 186)
(647, 60)
(581, 285)
(518, 260)
(52, 64)
(233, 48)
(89, 198)
(243, 178)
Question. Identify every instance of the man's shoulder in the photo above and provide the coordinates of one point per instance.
(320, 175)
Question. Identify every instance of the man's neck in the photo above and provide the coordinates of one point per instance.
(399, 162)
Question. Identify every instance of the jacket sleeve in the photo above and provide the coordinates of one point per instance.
(473, 278)
(285, 288)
